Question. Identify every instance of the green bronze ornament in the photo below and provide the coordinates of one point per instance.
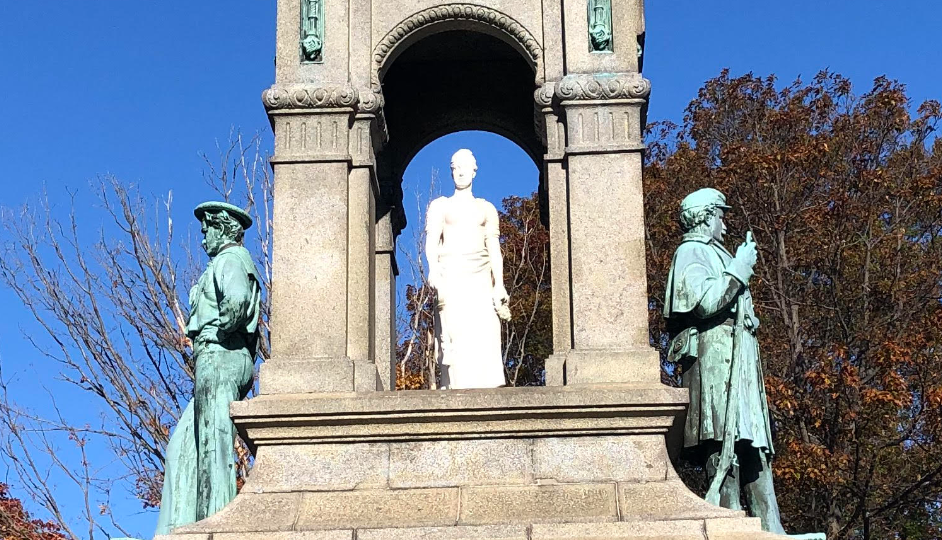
(312, 30)
(600, 26)
(225, 306)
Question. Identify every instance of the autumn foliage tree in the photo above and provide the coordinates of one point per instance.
(843, 194)
(528, 337)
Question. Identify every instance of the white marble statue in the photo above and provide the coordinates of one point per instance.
(467, 270)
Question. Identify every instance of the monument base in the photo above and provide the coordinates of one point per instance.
(574, 463)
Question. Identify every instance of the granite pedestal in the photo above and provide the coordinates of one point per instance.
(530, 463)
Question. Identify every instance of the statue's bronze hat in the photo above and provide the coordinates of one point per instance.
(702, 198)
(215, 206)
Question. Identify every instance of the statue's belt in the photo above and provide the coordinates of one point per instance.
(209, 335)
(686, 343)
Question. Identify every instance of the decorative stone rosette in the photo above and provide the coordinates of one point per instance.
(602, 87)
(543, 96)
(371, 102)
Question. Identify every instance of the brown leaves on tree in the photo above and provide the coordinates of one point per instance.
(528, 337)
(843, 195)
(416, 366)
(17, 524)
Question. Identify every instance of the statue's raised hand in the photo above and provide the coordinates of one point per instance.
(746, 253)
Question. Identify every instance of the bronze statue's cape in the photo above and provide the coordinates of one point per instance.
(699, 305)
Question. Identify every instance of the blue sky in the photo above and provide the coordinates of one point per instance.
(138, 89)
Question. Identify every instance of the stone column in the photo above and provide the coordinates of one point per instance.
(325, 118)
(606, 230)
(361, 276)
(385, 317)
(325, 188)
(596, 206)
(552, 130)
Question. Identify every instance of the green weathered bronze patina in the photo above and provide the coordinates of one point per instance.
(713, 326)
(312, 30)
(199, 470)
(600, 26)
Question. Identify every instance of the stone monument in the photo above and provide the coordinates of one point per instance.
(338, 454)
(466, 270)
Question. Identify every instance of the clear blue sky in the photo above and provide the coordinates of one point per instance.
(137, 89)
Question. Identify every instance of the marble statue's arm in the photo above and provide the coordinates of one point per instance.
(492, 244)
(234, 292)
(433, 239)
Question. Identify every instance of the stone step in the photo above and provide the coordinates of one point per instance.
(710, 529)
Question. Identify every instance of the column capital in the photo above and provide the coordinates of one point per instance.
(602, 86)
(322, 96)
(580, 87)
(543, 95)
(314, 122)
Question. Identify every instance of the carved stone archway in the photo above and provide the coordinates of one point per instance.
(425, 25)
(475, 18)
(489, 90)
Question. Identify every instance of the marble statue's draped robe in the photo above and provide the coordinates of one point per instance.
(199, 470)
(702, 289)
(467, 330)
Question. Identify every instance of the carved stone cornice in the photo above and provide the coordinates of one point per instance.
(313, 96)
(309, 96)
(582, 87)
(459, 12)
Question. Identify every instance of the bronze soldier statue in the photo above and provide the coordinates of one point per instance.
(713, 326)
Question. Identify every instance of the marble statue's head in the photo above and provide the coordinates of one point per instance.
(222, 224)
(702, 212)
(463, 168)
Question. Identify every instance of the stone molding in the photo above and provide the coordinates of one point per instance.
(552, 511)
(585, 87)
(309, 96)
(315, 96)
(459, 12)
(435, 415)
